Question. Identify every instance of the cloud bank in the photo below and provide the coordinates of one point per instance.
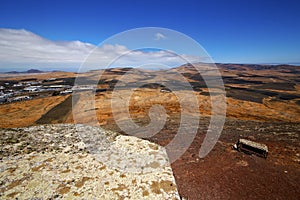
(20, 49)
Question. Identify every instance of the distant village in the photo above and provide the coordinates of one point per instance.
(26, 89)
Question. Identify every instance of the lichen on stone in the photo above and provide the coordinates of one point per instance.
(62, 163)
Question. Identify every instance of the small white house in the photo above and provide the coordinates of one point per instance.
(31, 89)
(69, 91)
(22, 98)
(17, 85)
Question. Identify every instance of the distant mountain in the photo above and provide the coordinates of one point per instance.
(287, 68)
(34, 71)
(257, 66)
(31, 71)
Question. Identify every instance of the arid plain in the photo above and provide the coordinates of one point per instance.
(263, 104)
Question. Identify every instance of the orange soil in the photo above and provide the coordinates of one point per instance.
(25, 113)
(142, 100)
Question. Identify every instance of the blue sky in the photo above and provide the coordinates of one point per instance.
(236, 31)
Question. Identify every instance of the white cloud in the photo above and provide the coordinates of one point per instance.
(23, 48)
(160, 36)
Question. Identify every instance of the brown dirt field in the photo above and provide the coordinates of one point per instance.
(25, 113)
(38, 76)
(227, 174)
(59, 113)
(142, 99)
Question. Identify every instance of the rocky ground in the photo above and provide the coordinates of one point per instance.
(30, 156)
(82, 162)
(228, 174)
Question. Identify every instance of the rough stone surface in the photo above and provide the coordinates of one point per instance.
(82, 162)
(254, 144)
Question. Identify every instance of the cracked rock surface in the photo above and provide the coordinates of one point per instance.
(82, 162)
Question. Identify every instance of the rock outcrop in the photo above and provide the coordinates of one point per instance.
(82, 162)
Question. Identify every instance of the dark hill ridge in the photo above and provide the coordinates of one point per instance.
(252, 82)
(258, 66)
(236, 66)
(228, 66)
(30, 71)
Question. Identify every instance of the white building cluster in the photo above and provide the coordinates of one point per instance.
(26, 90)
